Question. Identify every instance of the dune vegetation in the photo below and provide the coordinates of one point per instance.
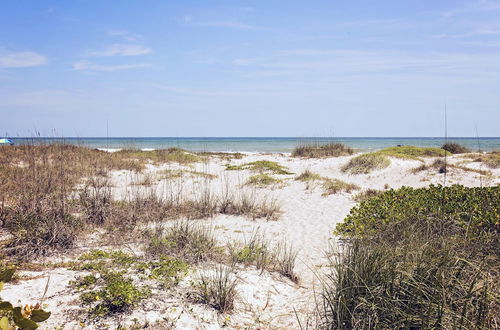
(417, 258)
(319, 150)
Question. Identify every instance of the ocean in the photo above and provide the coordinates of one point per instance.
(259, 144)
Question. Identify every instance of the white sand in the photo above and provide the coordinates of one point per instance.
(265, 300)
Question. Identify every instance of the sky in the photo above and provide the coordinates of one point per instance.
(249, 68)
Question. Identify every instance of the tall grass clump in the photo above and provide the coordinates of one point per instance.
(366, 163)
(322, 150)
(217, 288)
(184, 239)
(455, 148)
(258, 251)
(417, 258)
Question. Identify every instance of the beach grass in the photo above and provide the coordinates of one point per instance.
(366, 163)
(319, 150)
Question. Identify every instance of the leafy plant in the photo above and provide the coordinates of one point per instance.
(472, 208)
(21, 317)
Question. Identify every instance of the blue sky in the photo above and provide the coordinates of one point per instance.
(249, 68)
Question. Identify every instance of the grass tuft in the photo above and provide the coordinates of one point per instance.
(334, 186)
(366, 163)
(261, 166)
(262, 180)
(322, 150)
(217, 289)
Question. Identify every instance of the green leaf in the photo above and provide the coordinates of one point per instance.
(16, 314)
(5, 305)
(6, 275)
(26, 324)
(4, 323)
(39, 315)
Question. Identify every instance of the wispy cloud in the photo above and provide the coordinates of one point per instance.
(231, 25)
(473, 7)
(89, 66)
(21, 59)
(121, 50)
(124, 34)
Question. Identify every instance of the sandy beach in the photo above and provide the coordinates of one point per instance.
(265, 299)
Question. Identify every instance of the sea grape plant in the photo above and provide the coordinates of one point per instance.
(26, 317)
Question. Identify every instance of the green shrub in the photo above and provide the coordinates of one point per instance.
(322, 150)
(473, 208)
(455, 148)
(116, 295)
(365, 163)
(412, 152)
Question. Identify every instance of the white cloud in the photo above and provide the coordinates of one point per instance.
(122, 50)
(21, 59)
(89, 66)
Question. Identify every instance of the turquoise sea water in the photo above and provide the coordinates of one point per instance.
(261, 144)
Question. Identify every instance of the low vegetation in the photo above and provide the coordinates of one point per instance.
(417, 258)
(490, 159)
(257, 251)
(263, 180)
(366, 163)
(455, 148)
(334, 186)
(322, 150)
(367, 194)
(216, 288)
(307, 175)
(412, 152)
(183, 239)
(440, 166)
(261, 166)
(18, 317)
(116, 280)
(470, 208)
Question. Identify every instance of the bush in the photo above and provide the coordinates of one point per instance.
(455, 148)
(322, 150)
(366, 163)
(419, 285)
(472, 208)
(417, 258)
